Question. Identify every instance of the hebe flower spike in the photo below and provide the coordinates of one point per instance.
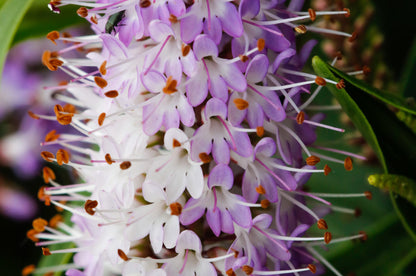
(182, 98)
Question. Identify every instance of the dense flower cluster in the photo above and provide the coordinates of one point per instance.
(193, 142)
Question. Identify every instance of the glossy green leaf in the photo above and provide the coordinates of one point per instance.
(392, 141)
(408, 119)
(386, 97)
(11, 14)
(398, 184)
(39, 21)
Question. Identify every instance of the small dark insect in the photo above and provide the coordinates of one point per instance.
(113, 21)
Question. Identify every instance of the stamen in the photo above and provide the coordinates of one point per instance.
(230, 272)
(48, 174)
(322, 224)
(111, 94)
(101, 119)
(51, 136)
(52, 36)
(103, 68)
(185, 49)
(341, 84)
(39, 224)
(260, 44)
(83, 12)
(205, 158)
(260, 131)
(46, 251)
(108, 159)
(33, 115)
(327, 170)
(27, 270)
(47, 156)
(310, 267)
(312, 160)
(176, 143)
(145, 3)
(241, 104)
(265, 203)
(90, 206)
(301, 29)
(170, 86)
(300, 117)
(312, 14)
(55, 220)
(62, 156)
(320, 81)
(122, 255)
(348, 164)
(125, 165)
(327, 237)
(176, 208)
(247, 269)
(260, 190)
(31, 234)
(100, 82)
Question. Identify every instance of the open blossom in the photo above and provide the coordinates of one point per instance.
(173, 102)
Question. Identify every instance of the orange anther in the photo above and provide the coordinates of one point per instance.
(322, 224)
(348, 164)
(175, 208)
(368, 194)
(100, 82)
(33, 115)
(230, 272)
(176, 143)
(300, 117)
(353, 37)
(327, 170)
(122, 255)
(108, 159)
(312, 14)
(145, 3)
(170, 86)
(31, 234)
(312, 268)
(52, 36)
(243, 58)
(46, 251)
(53, 222)
(260, 131)
(39, 224)
(89, 206)
(101, 119)
(364, 235)
(185, 49)
(241, 104)
(48, 174)
(340, 84)
(301, 29)
(82, 11)
(312, 160)
(111, 94)
(125, 165)
(52, 136)
(103, 68)
(27, 270)
(265, 203)
(320, 81)
(173, 19)
(348, 12)
(260, 44)
(47, 156)
(260, 190)
(94, 19)
(62, 156)
(205, 158)
(248, 270)
(327, 237)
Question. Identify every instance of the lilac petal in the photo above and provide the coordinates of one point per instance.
(191, 26)
(235, 116)
(231, 20)
(218, 88)
(171, 135)
(306, 50)
(288, 53)
(263, 221)
(227, 222)
(255, 115)
(214, 221)
(215, 107)
(249, 8)
(192, 211)
(171, 119)
(173, 67)
(242, 144)
(283, 146)
(248, 185)
(257, 69)
(198, 146)
(272, 107)
(233, 77)
(240, 214)
(186, 112)
(153, 119)
(114, 46)
(159, 30)
(197, 89)
(221, 175)
(176, 7)
(295, 5)
(153, 81)
(214, 31)
(74, 272)
(204, 46)
(266, 147)
(269, 184)
(278, 250)
(276, 42)
(221, 151)
(188, 240)
(152, 192)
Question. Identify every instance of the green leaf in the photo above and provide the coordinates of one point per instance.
(408, 119)
(386, 97)
(398, 184)
(11, 14)
(392, 141)
(39, 21)
(408, 81)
